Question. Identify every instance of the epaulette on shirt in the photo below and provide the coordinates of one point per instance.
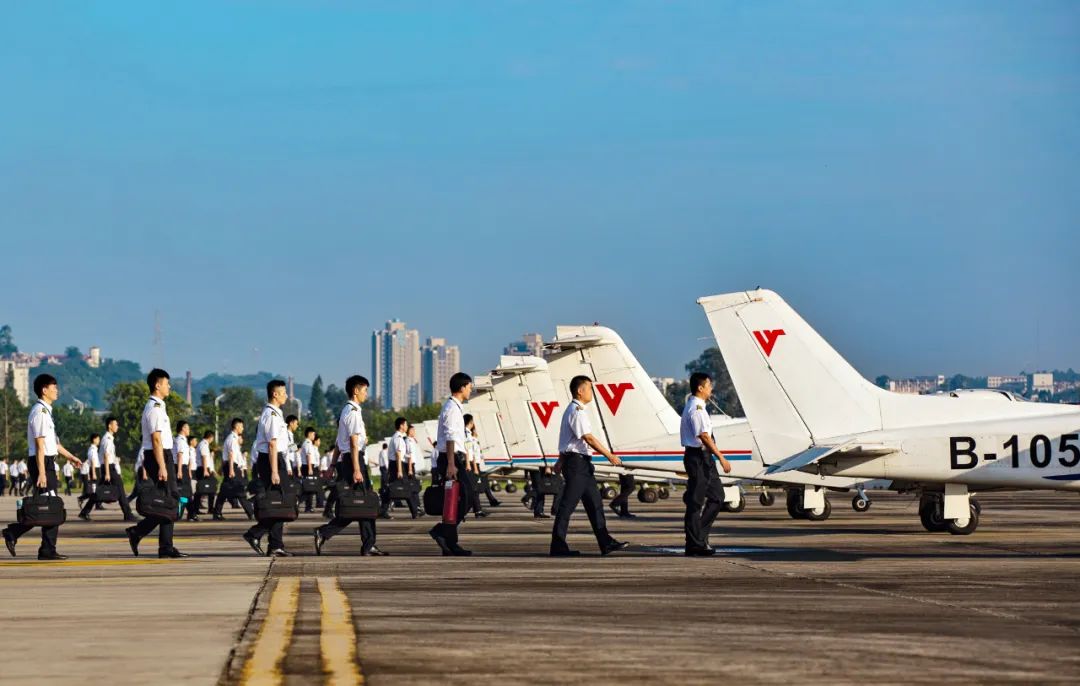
(157, 404)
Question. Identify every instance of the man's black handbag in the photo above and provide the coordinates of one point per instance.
(356, 502)
(414, 484)
(206, 486)
(290, 485)
(310, 485)
(41, 510)
(548, 484)
(398, 490)
(275, 504)
(433, 498)
(107, 493)
(478, 481)
(185, 489)
(156, 501)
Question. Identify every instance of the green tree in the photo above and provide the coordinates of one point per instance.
(12, 420)
(317, 407)
(74, 428)
(335, 400)
(882, 382)
(712, 363)
(7, 344)
(126, 403)
(239, 401)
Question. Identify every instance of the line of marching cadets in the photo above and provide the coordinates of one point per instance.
(176, 471)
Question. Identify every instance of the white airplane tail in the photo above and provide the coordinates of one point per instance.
(795, 388)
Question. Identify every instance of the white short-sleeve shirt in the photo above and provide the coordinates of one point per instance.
(40, 425)
(271, 426)
(107, 450)
(350, 423)
(155, 419)
(695, 421)
(92, 456)
(398, 448)
(180, 452)
(451, 426)
(575, 425)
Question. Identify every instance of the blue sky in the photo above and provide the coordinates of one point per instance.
(285, 176)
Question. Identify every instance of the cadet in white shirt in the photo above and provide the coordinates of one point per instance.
(94, 461)
(704, 494)
(110, 465)
(233, 484)
(202, 466)
(451, 460)
(309, 467)
(478, 460)
(157, 450)
(292, 453)
(43, 448)
(271, 442)
(68, 471)
(396, 467)
(472, 456)
(182, 462)
(88, 472)
(352, 470)
(575, 463)
(4, 474)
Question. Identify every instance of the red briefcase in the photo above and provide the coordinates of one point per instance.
(451, 493)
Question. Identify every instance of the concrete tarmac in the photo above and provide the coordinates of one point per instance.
(861, 597)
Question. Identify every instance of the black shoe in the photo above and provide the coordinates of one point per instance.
(255, 543)
(541, 515)
(700, 552)
(320, 541)
(458, 551)
(84, 517)
(219, 518)
(494, 503)
(130, 518)
(51, 556)
(193, 518)
(627, 515)
(280, 552)
(308, 511)
(374, 552)
(173, 554)
(385, 515)
(482, 513)
(133, 540)
(613, 546)
(565, 553)
(443, 545)
(9, 541)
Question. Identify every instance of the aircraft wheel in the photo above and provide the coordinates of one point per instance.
(860, 504)
(767, 499)
(931, 514)
(648, 495)
(794, 504)
(511, 487)
(737, 507)
(608, 492)
(976, 505)
(973, 523)
(825, 514)
(496, 486)
(663, 492)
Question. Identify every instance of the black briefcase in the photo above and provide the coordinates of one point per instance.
(156, 501)
(107, 493)
(398, 490)
(207, 486)
(275, 504)
(414, 484)
(549, 484)
(290, 485)
(310, 485)
(355, 503)
(433, 498)
(41, 510)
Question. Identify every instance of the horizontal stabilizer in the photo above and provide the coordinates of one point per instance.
(801, 459)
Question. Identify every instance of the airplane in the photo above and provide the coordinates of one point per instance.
(643, 428)
(812, 413)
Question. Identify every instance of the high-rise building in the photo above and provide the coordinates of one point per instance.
(395, 365)
(439, 361)
(20, 378)
(530, 344)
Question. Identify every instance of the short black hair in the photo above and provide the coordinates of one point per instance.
(234, 422)
(577, 382)
(180, 425)
(154, 377)
(41, 382)
(697, 380)
(399, 421)
(291, 418)
(207, 434)
(466, 419)
(309, 430)
(316, 439)
(93, 436)
(353, 382)
(459, 381)
(384, 445)
(272, 385)
(110, 419)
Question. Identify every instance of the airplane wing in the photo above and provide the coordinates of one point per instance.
(816, 453)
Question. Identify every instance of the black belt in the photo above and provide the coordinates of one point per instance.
(573, 454)
(690, 450)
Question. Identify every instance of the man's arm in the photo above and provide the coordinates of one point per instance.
(275, 478)
(42, 481)
(599, 447)
(706, 439)
(451, 467)
(354, 448)
(159, 456)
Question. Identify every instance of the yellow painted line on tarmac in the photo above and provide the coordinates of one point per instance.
(263, 666)
(86, 563)
(337, 640)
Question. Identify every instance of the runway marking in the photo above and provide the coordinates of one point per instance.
(337, 638)
(263, 666)
(86, 563)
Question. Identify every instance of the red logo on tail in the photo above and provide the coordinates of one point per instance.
(767, 339)
(544, 410)
(612, 393)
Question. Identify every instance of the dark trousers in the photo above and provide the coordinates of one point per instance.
(117, 480)
(3, 483)
(188, 491)
(704, 496)
(474, 503)
(331, 497)
(317, 497)
(449, 532)
(135, 489)
(539, 498)
(233, 489)
(148, 524)
(580, 485)
(263, 474)
(67, 486)
(621, 502)
(390, 476)
(48, 533)
(492, 500)
(335, 525)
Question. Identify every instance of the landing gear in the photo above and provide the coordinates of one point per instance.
(735, 507)
(663, 492)
(822, 515)
(860, 503)
(511, 487)
(796, 506)
(496, 486)
(608, 492)
(767, 499)
(972, 523)
(932, 512)
(648, 495)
